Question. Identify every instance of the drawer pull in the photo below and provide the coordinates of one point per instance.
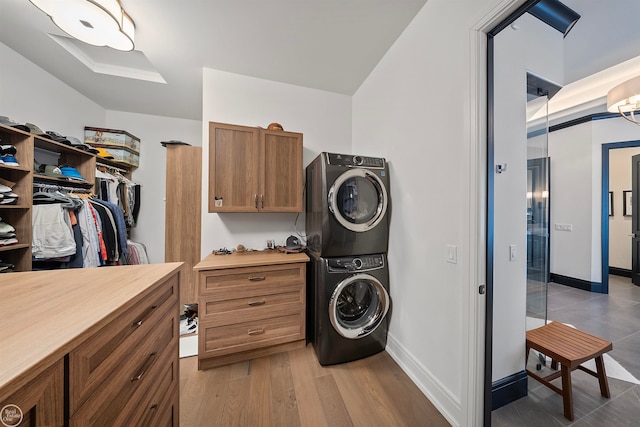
(257, 278)
(146, 314)
(255, 303)
(144, 369)
(256, 331)
(153, 407)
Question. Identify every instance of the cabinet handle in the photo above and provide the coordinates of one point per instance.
(153, 407)
(144, 316)
(255, 331)
(254, 303)
(262, 201)
(145, 367)
(255, 200)
(257, 278)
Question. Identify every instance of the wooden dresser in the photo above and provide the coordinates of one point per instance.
(249, 305)
(91, 347)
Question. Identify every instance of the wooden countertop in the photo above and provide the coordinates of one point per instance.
(249, 259)
(45, 314)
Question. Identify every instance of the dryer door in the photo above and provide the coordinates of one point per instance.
(358, 200)
(358, 306)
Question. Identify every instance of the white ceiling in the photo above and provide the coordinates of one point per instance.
(324, 44)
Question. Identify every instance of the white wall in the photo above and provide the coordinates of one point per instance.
(324, 119)
(412, 110)
(151, 172)
(571, 173)
(30, 94)
(537, 48)
(620, 225)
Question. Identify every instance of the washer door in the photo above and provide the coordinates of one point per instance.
(358, 200)
(358, 306)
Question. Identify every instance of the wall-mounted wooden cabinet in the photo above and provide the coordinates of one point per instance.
(254, 170)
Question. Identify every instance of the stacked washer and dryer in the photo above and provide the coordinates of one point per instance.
(347, 227)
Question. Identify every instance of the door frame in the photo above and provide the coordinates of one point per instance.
(604, 213)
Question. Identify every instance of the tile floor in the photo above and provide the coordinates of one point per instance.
(616, 317)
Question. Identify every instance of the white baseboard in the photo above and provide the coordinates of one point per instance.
(441, 397)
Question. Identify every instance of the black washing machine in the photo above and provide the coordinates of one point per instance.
(347, 205)
(348, 307)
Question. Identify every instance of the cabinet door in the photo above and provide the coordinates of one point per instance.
(281, 186)
(233, 168)
(40, 403)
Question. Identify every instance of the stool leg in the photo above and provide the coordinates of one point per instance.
(567, 395)
(602, 377)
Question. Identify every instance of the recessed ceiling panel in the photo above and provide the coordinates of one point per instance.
(104, 60)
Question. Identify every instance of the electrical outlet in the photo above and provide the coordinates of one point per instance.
(271, 244)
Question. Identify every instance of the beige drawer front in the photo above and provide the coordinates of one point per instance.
(217, 341)
(227, 312)
(96, 359)
(138, 369)
(246, 282)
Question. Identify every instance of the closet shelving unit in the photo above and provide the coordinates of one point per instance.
(22, 178)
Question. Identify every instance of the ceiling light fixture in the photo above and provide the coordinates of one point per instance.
(625, 99)
(96, 22)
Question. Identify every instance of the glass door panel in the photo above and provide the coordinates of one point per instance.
(537, 194)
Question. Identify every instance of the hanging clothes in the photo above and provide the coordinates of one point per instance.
(52, 232)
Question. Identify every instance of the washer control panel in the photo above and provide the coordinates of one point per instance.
(356, 263)
(350, 160)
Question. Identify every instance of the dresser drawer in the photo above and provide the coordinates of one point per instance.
(96, 359)
(157, 400)
(259, 306)
(139, 368)
(246, 282)
(220, 340)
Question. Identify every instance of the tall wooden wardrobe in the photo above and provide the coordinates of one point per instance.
(183, 213)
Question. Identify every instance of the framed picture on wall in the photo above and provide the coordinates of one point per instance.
(627, 203)
(610, 203)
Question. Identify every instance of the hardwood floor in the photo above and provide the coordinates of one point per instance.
(292, 389)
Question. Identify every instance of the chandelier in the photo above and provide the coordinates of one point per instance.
(625, 99)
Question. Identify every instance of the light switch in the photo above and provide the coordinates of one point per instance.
(513, 253)
(451, 254)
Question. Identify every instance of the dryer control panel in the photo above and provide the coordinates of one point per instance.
(355, 263)
(350, 160)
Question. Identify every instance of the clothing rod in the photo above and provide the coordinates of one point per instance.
(60, 187)
(112, 167)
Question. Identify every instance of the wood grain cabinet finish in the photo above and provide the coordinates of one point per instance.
(40, 403)
(249, 311)
(116, 372)
(104, 352)
(254, 170)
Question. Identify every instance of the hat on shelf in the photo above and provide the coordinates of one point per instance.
(8, 149)
(173, 142)
(104, 153)
(6, 228)
(76, 143)
(50, 170)
(58, 137)
(34, 129)
(71, 172)
(6, 121)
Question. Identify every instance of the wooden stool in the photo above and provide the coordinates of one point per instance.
(570, 347)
